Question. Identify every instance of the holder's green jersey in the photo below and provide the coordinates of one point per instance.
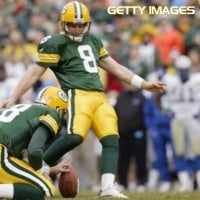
(19, 122)
(75, 64)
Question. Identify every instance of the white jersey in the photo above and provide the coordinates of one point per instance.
(183, 99)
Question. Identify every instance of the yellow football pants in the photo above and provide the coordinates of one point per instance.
(14, 170)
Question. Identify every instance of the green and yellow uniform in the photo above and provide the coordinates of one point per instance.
(75, 65)
(26, 127)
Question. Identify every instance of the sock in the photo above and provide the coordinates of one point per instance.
(24, 192)
(107, 180)
(6, 191)
(109, 158)
(153, 179)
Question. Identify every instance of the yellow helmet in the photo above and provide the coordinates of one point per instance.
(77, 13)
(53, 97)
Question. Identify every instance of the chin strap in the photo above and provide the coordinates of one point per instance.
(75, 38)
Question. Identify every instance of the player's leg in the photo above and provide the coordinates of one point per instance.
(90, 108)
(153, 173)
(139, 148)
(124, 160)
(168, 161)
(193, 130)
(13, 170)
(161, 158)
(24, 192)
(61, 146)
(78, 124)
(105, 127)
(6, 191)
(160, 171)
(180, 145)
(178, 137)
(20, 192)
(197, 174)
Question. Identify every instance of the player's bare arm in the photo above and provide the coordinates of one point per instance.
(27, 81)
(124, 74)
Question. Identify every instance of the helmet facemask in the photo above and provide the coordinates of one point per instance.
(76, 38)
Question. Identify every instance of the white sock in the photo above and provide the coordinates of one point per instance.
(153, 179)
(6, 191)
(107, 180)
(184, 177)
(198, 178)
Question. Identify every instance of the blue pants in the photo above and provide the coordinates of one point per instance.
(160, 138)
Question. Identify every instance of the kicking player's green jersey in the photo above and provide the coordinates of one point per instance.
(75, 64)
(18, 123)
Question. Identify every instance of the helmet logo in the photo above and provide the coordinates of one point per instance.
(64, 9)
(62, 95)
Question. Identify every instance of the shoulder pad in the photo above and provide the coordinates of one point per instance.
(51, 43)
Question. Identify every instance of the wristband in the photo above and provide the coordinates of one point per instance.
(44, 170)
(137, 81)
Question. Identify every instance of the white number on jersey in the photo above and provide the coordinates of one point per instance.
(9, 114)
(45, 39)
(87, 55)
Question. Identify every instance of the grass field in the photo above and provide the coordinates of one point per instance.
(86, 195)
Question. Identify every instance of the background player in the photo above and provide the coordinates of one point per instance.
(182, 99)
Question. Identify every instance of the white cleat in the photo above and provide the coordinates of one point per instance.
(112, 191)
(165, 186)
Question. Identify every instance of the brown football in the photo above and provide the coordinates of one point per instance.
(68, 183)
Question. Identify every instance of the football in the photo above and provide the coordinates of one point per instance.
(68, 183)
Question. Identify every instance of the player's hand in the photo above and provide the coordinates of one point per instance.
(60, 167)
(6, 103)
(156, 86)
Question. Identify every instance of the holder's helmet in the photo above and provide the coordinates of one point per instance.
(53, 97)
(77, 13)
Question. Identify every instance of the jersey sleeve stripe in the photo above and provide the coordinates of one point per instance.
(48, 58)
(50, 121)
(103, 52)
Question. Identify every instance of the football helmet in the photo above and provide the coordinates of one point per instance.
(53, 97)
(77, 13)
(183, 66)
(183, 62)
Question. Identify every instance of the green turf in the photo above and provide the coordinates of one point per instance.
(86, 195)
